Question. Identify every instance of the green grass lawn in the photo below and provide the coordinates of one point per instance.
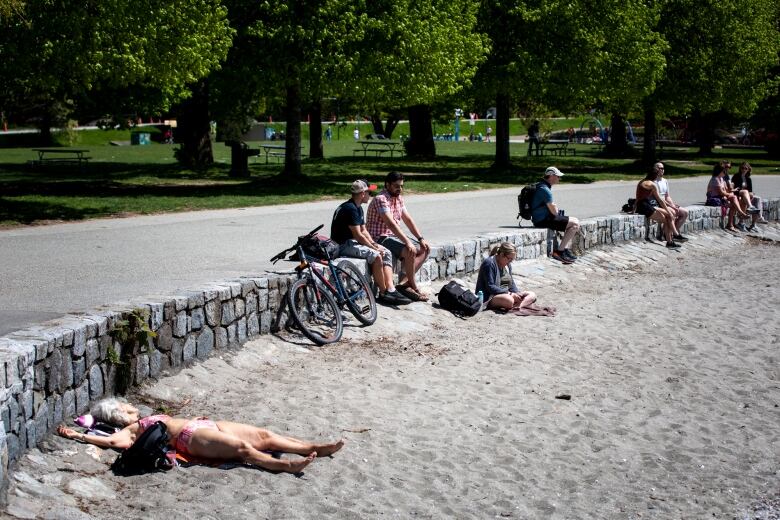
(127, 180)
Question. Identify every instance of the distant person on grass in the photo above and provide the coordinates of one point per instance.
(650, 204)
(386, 212)
(545, 214)
(533, 137)
(348, 230)
(679, 214)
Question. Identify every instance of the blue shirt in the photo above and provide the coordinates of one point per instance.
(542, 197)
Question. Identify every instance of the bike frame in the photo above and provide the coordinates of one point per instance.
(306, 265)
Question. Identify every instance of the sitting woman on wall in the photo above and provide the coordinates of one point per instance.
(498, 286)
(743, 188)
(203, 438)
(720, 194)
(650, 204)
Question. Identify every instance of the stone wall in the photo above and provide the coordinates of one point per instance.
(52, 372)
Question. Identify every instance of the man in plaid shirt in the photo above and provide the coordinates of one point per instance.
(383, 222)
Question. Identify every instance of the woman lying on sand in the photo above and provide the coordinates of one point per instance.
(203, 438)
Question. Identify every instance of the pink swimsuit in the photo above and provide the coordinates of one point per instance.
(183, 440)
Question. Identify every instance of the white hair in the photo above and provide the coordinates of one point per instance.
(108, 411)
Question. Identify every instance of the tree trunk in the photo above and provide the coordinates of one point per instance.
(385, 129)
(420, 142)
(703, 130)
(292, 150)
(648, 147)
(618, 145)
(502, 160)
(315, 130)
(45, 138)
(193, 129)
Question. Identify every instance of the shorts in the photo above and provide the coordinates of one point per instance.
(183, 440)
(395, 245)
(554, 222)
(644, 207)
(354, 249)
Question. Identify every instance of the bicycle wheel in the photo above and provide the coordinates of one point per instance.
(315, 312)
(360, 297)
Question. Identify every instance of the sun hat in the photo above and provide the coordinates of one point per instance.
(552, 170)
(361, 185)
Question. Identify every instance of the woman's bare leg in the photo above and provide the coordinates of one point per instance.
(264, 440)
(501, 301)
(527, 298)
(219, 445)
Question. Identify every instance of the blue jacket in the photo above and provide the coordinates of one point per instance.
(489, 278)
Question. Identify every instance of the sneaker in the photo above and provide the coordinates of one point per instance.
(680, 238)
(741, 227)
(752, 210)
(752, 227)
(672, 245)
(393, 298)
(558, 255)
(568, 254)
(762, 221)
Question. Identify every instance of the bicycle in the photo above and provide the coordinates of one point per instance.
(316, 297)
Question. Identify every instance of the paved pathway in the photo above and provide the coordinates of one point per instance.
(51, 270)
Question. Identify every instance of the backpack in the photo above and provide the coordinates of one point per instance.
(525, 201)
(320, 247)
(629, 206)
(459, 300)
(148, 453)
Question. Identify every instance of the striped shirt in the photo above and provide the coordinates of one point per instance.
(383, 203)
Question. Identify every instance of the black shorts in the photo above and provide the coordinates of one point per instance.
(554, 222)
(645, 207)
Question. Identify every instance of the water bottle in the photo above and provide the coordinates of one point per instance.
(481, 298)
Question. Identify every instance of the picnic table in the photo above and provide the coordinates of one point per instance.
(378, 146)
(60, 156)
(275, 150)
(556, 147)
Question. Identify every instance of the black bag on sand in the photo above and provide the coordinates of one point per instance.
(458, 300)
(147, 454)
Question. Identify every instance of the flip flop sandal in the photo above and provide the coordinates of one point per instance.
(410, 293)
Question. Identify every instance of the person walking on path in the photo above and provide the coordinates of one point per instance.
(348, 230)
(386, 212)
(545, 214)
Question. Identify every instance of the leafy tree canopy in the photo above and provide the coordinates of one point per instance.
(719, 56)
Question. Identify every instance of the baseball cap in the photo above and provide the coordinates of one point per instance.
(552, 170)
(361, 185)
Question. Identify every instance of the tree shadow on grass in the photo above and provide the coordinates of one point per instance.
(29, 212)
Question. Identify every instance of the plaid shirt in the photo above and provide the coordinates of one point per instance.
(383, 203)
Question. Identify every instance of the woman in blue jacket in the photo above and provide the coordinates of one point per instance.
(496, 282)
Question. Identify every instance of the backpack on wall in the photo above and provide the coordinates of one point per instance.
(148, 453)
(525, 201)
(320, 247)
(459, 300)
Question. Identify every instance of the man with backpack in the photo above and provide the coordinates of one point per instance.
(348, 229)
(545, 214)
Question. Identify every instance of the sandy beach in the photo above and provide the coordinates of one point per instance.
(669, 360)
